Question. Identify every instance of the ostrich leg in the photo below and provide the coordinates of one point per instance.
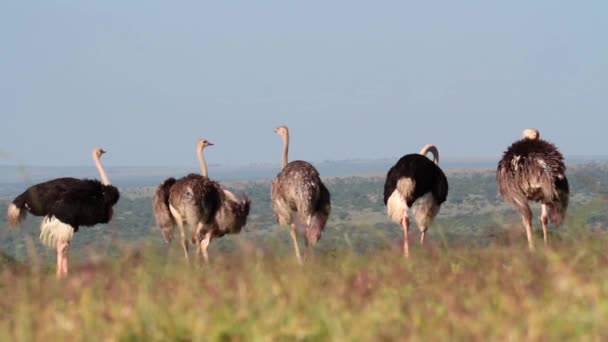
(405, 224)
(528, 225)
(544, 218)
(294, 238)
(180, 223)
(62, 258)
(65, 258)
(204, 244)
(422, 234)
(526, 217)
(59, 259)
(182, 232)
(196, 239)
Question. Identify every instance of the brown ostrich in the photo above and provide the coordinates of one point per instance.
(66, 204)
(192, 200)
(231, 216)
(415, 182)
(532, 169)
(299, 198)
(216, 212)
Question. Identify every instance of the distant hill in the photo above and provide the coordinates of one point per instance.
(15, 178)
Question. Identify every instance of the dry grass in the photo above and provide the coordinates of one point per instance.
(501, 292)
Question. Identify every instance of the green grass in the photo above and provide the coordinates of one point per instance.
(501, 292)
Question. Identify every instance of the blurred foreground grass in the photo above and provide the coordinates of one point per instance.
(501, 292)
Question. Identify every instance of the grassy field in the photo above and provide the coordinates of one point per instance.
(475, 279)
(501, 292)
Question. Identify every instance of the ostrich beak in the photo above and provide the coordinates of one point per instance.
(102, 151)
(210, 143)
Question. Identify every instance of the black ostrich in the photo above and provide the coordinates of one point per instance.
(532, 169)
(67, 203)
(209, 210)
(299, 198)
(415, 182)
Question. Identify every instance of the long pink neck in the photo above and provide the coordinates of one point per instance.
(433, 149)
(285, 149)
(202, 161)
(102, 172)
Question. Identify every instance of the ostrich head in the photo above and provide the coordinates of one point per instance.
(531, 133)
(282, 131)
(97, 152)
(202, 143)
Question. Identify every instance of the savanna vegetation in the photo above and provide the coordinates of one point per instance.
(475, 280)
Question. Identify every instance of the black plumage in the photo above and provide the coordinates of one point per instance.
(67, 204)
(428, 176)
(533, 169)
(76, 202)
(415, 182)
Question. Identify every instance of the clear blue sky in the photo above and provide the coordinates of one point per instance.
(353, 79)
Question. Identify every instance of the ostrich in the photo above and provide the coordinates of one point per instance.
(66, 204)
(415, 182)
(231, 216)
(532, 169)
(210, 210)
(299, 197)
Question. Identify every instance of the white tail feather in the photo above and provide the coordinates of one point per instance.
(53, 230)
(15, 215)
(396, 207)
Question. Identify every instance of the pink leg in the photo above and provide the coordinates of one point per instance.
(528, 225)
(203, 246)
(544, 219)
(65, 260)
(294, 238)
(197, 240)
(422, 237)
(405, 224)
(62, 258)
(58, 271)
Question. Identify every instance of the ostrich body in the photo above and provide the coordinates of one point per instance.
(415, 182)
(299, 197)
(66, 204)
(533, 169)
(208, 209)
(230, 218)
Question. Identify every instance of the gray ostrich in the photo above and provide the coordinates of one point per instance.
(532, 169)
(419, 183)
(299, 198)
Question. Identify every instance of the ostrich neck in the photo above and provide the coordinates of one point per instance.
(285, 150)
(433, 149)
(201, 159)
(102, 172)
